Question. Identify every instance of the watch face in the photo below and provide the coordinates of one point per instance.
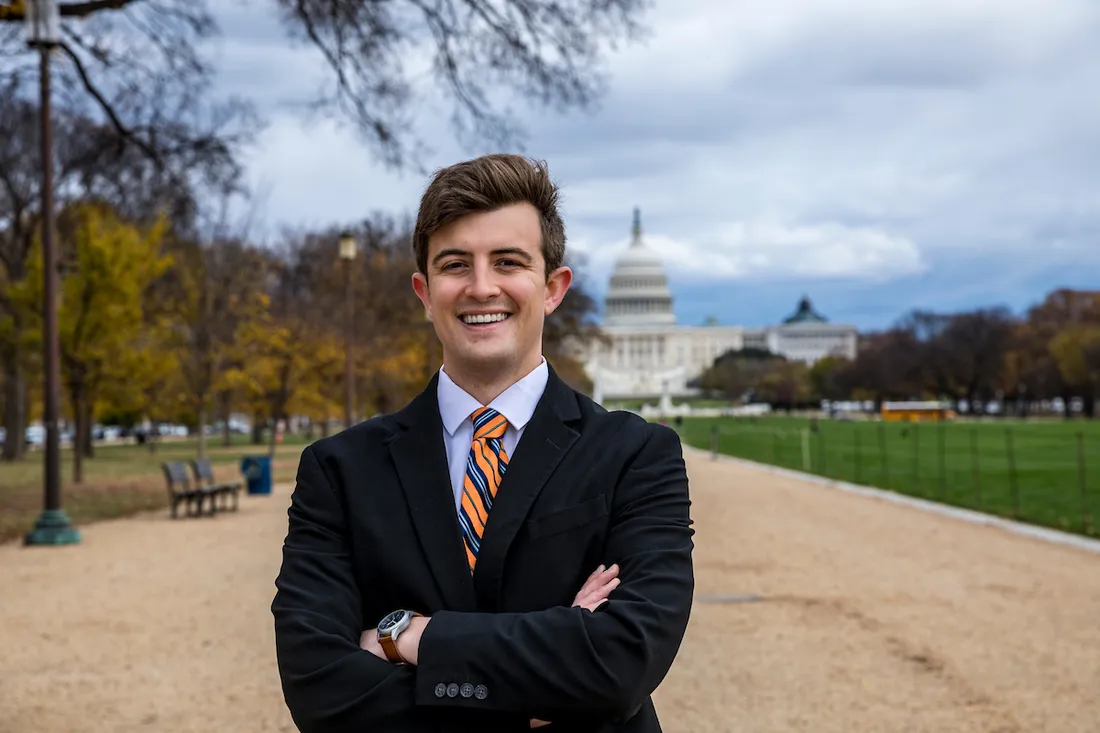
(390, 620)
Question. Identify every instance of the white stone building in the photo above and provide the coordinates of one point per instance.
(649, 355)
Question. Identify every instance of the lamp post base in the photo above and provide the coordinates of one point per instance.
(53, 528)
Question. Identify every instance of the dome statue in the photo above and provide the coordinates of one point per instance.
(638, 294)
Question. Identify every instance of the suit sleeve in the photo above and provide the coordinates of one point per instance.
(330, 685)
(561, 663)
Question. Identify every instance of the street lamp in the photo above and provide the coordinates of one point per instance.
(348, 250)
(53, 526)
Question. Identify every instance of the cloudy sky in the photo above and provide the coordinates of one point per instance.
(877, 155)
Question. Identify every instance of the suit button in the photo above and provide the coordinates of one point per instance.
(467, 690)
(452, 690)
(440, 690)
(481, 692)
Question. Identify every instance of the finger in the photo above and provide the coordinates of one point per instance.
(597, 596)
(603, 589)
(594, 581)
(600, 577)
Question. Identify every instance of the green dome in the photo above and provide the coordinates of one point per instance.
(806, 313)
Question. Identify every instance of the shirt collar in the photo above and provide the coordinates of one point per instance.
(517, 403)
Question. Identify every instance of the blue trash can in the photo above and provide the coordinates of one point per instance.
(257, 472)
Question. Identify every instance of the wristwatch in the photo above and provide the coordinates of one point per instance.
(389, 628)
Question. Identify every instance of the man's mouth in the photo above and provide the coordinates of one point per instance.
(484, 318)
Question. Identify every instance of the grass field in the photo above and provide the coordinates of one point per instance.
(1044, 473)
(122, 479)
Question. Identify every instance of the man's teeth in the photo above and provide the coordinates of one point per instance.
(495, 317)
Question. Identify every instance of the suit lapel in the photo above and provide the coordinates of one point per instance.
(547, 437)
(421, 459)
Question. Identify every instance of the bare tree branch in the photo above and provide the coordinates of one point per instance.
(17, 12)
(122, 130)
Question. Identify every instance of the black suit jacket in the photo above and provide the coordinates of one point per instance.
(373, 528)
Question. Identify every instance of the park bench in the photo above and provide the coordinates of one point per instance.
(182, 489)
(204, 478)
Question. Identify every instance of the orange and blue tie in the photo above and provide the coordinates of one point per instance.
(485, 468)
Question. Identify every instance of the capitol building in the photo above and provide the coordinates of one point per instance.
(646, 354)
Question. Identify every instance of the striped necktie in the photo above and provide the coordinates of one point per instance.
(485, 469)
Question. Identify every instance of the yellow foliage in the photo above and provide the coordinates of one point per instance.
(107, 266)
(1076, 350)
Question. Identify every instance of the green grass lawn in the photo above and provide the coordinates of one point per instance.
(1031, 471)
(123, 479)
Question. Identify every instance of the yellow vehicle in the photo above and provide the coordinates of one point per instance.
(917, 411)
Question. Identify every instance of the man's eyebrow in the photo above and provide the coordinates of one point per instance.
(448, 253)
(515, 252)
(512, 251)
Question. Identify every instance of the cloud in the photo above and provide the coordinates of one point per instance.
(772, 251)
(874, 150)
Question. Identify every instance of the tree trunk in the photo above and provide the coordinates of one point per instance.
(257, 429)
(76, 399)
(87, 443)
(202, 430)
(271, 439)
(15, 407)
(225, 406)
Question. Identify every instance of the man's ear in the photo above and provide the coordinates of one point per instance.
(557, 285)
(420, 287)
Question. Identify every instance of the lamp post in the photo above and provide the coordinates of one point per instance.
(348, 251)
(53, 526)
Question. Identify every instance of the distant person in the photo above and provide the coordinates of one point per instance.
(502, 553)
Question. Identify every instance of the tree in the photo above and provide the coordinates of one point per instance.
(1076, 349)
(933, 354)
(549, 51)
(974, 344)
(571, 329)
(1060, 309)
(213, 290)
(828, 378)
(739, 374)
(108, 264)
(92, 161)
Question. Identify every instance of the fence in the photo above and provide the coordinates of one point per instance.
(1042, 473)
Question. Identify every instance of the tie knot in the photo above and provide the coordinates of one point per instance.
(488, 423)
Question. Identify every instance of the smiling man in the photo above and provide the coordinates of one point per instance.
(501, 554)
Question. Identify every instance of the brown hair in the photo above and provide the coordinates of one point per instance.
(486, 184)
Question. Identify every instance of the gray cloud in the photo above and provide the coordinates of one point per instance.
(795, 142)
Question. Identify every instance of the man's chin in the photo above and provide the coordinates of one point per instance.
(484, 362)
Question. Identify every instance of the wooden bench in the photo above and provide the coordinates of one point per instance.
(204, 478)
(182, 489)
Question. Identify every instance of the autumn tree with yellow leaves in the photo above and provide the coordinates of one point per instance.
(107, 266)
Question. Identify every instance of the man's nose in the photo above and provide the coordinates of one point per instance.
(483, 283)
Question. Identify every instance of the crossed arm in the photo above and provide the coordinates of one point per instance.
(593, 594)
(553, 664)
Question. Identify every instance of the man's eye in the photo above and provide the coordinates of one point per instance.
(509, 263)
(452, 265)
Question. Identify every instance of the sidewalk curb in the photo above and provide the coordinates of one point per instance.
(966, 515)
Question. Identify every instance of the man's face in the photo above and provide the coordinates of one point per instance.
(487, 291)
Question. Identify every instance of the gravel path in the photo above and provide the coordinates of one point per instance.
(873, 617)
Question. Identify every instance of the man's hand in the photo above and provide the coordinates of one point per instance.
(368, 642)
(598, 587)
(408, 641)
(592, 594)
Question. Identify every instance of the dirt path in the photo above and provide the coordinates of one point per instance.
(873, 617)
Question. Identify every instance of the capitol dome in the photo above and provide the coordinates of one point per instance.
(638, 294)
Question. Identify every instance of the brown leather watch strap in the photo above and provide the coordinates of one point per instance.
(389, 646)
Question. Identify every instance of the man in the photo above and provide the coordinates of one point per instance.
(502, 553)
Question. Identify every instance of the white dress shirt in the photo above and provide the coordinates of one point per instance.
(517, 404)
